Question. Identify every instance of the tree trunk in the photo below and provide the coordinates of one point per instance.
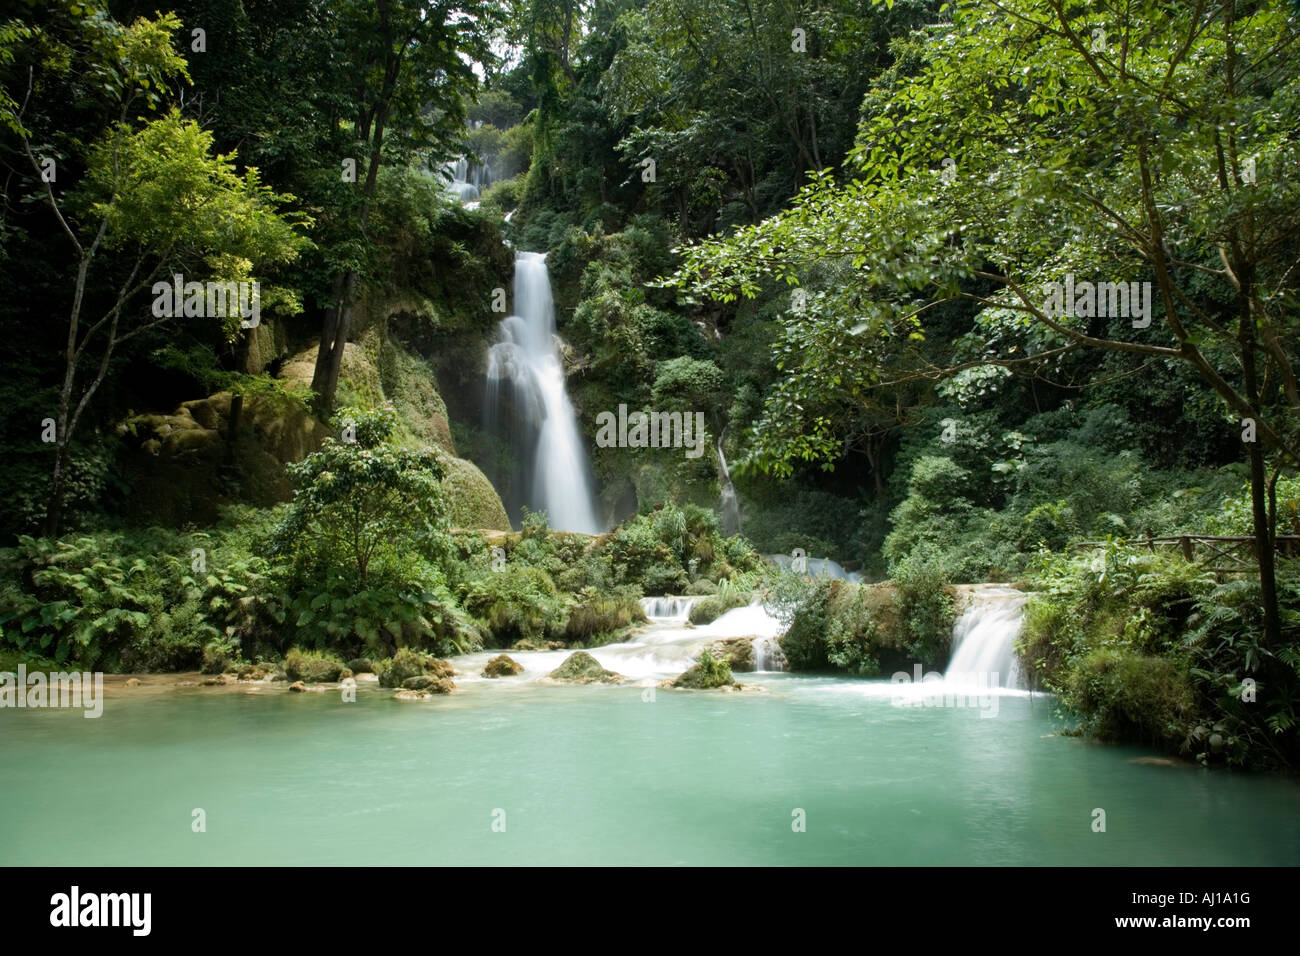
(1259, 489)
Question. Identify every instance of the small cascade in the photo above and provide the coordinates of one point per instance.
(984, 638)
(460, 185)
(729, 506)
(767, 655)
(526, 403)
(668, 609)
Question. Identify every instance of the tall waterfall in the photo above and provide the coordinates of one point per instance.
(730, 507)
(984, 639)
(540, 424)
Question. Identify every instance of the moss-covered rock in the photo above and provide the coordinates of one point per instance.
(581, 668)
(312, 668)
(438, 667)
(419, 682)
(472, 502)
(405, 663)
(361, 665)
(738, 652)
(708, 672)
(502, 666)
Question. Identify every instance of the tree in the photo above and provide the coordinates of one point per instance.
(412, 71)
(1038, 142)
(154, 195)
(361, 499)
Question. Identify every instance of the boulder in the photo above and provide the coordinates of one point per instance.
(360, 665)
(738, 652)
(311, 669)
(133, 682)
(298, 687)
(502, 666)
(411, 695)
(439, 668)
(422, 682)
(581, 668)
(405, 663)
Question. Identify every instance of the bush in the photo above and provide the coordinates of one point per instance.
(708, 672)
(517, 603)
(925, 604)
(596, 615)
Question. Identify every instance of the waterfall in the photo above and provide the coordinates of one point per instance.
(668, 610)
(984, 637)
(458, 172)
(542, 427)
(730, 507)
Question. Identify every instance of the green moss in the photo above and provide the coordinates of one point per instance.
(581, 668)
(311, 668)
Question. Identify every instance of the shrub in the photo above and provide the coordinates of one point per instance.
(925, 603)
(517, 603)
(599, 615)
(707, 672)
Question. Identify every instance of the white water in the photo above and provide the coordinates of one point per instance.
(544, 427)
(984, 637)
(730, 507)
(460, 186)
(668, 610)
(983, 645)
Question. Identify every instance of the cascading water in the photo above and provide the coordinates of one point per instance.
(668, 610)
(542, 427)
(460, 186)
(730, 507)
(984, 638)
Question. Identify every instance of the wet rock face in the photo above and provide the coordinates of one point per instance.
(581, 668)
(502, 666)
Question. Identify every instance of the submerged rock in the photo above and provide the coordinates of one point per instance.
(411, 695)
(502, 666)
(133, 682)
(581, 668)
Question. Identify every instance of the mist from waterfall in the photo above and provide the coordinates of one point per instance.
(527, 403)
